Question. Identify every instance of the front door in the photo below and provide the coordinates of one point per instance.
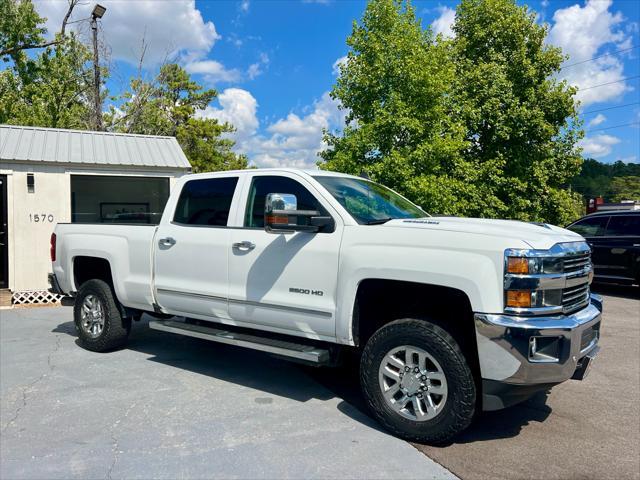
(284, 281)
(191, 251)
(4, 234)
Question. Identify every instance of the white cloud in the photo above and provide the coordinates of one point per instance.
(238, 107)
(335, 68)
(170, 28)
(296, 140)
(292, 141)
(244, 6)
(257, 69)
(598, 146)
(597, 120)
(444, 22)
(212, 71)
(584, 32)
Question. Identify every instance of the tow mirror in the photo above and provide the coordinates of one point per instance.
(281, 214)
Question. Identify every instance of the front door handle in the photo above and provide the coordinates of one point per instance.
(244, 245)
(167, 242)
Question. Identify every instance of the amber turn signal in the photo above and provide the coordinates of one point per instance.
(517, 265)
(519, 298)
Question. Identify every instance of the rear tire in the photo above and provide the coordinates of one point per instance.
(98, 319)
(435, 398)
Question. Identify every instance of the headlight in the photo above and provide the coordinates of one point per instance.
(547, 281)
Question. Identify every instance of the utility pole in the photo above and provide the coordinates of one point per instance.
(98, 12)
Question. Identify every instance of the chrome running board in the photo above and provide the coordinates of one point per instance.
(299, 351)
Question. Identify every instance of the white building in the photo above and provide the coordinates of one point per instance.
(50, 176)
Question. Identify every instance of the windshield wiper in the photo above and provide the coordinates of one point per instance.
(379, 221)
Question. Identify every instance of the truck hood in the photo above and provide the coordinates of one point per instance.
(538, 236)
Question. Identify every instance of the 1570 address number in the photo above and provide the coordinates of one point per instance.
(41, 217)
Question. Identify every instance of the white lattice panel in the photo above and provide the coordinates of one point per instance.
(35, 297)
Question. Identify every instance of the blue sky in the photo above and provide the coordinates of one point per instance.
(274, 62)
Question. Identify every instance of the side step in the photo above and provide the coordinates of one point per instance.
(299, 351)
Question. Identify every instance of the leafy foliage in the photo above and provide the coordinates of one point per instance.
(475, 126)
(625, 188)
(168, 106)
(52, 87)
(599, 180)
(49, 89)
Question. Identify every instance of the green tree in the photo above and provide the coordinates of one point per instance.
(168, 106)
(394, 86)
(50, 87)
(471, 126)
(595, 178)
(518, 118)
(625, 188)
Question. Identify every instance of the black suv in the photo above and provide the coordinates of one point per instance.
(614, 238)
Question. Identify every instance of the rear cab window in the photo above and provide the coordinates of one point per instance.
(624, 226)
(206, 202)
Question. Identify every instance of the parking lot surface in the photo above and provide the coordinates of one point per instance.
(585, 430)
(168, 406)
(174, 407)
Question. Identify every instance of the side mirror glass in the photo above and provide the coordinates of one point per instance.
(280, 201)
(281, 214)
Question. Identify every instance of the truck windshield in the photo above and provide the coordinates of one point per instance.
(369, 203)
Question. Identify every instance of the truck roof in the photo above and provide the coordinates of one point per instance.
(309, 172)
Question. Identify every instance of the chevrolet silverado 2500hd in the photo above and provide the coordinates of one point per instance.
(449, 315)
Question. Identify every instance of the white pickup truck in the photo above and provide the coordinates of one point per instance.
(450, 316)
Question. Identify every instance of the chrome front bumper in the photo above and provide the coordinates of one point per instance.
(507, 351)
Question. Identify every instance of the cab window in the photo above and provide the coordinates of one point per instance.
(590, 227)
(624, 225)
(206, 202)
(263, 185)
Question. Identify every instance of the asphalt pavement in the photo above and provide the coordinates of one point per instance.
(175, 407)
(578, 430)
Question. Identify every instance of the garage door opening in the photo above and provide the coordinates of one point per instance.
(118, 199)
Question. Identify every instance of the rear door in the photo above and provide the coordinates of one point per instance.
(284, 281)
(192, 248)
(621, 240)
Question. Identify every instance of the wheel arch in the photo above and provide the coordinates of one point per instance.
(381, 301)
(87, 268)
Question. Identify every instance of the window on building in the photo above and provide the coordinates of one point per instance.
(206, 201)
(118, 199)
(31, 183)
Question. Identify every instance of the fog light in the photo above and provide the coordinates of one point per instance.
(544, 349)
(519, 298)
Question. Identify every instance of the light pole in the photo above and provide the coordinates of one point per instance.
(98, 12)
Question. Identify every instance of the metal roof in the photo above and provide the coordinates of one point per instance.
(54, 145)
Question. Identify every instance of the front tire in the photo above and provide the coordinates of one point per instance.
(417, 382)
(98, 319)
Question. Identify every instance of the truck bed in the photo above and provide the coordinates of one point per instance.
(127, 248)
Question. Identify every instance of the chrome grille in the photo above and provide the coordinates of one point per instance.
(574, 298)
(575, 263)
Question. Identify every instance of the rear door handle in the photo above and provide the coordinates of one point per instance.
(244, 245)
(167, 242)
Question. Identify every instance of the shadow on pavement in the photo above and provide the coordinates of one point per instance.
(614, 290)
(300, 382)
